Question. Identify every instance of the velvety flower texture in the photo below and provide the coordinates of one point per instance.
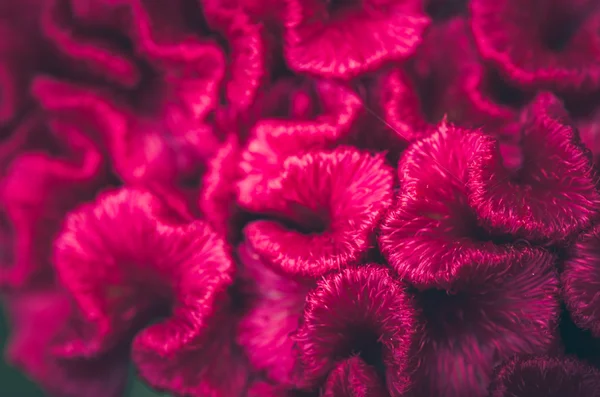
(127, 259)
(301, 198)
(545, 377)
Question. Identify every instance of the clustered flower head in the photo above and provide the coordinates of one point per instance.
(302, 198)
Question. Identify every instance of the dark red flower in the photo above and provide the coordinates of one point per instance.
(545, 377)
(56, 167)
(581, 280)
(493, 310)
(275, 308)
(541, 45)
(552, 195)
(126, 259)
(37, 317)
(343, 39)
(362, 313)
(333, 200)
(432, 231)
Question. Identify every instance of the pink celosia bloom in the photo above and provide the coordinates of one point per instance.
(128, 258)
(57, 168)
(356, 332)
(552, 195)
(432, 231)
(581, 280)
(545, 377)
(343, 39)
(37, 317)
(493, 310)
(332, 201)
(547, 45)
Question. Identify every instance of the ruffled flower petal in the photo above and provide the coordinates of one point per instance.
(343, 39)
(432, 231)
(37, 318)
(581, 281)
(125, 259)
(551, 45)
(274, 313)
(545, 377)
(354, 377)
(553, 195)
(362, 313)
(333, 201)
(492, 311)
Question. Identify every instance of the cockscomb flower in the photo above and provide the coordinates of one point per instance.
(126, 259)
(157, 119)
(540, 376)
(552, 195)
(581, 280)
(275, 303)
(358, 325)
(37, 317)
(56, 167)
(552, 45)
(332, 201)
(431, 231)
(343, 39)
(495, 308)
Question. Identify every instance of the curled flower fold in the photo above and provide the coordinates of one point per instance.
(551, 45)
(431, 231)
(276, 303)
(552, 195)
(343, 39)
(331, 200)
(494, 310)
(125, 259)
(37, 318)
(540, 376)
(581, 280)
(356, 324)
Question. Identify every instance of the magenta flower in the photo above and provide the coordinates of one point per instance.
(553, 195)
(333, 200)
(554, 45)
(344, 39)
(545, 377)
(492, 311)
(356, 333)
(127, 258)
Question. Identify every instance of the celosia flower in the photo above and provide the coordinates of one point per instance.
(552, 195)
(545, 377)
(581, 280)
(39, 186)
(432, 231)
(550, 45)
(126, 259)
(332, 201)
(343, 39)
(494, 309)
(356, 333)
(37, 318)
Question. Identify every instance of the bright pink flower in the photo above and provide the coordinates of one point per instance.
(545, 377)
(332, 202)
(546, 45)
(37, 318)
(56, 167)
(432, 232)
(362, 321)
(275, 306)
(552, 195)
(493, 310)
(581, 280)
(126, 259)
(343, 39)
